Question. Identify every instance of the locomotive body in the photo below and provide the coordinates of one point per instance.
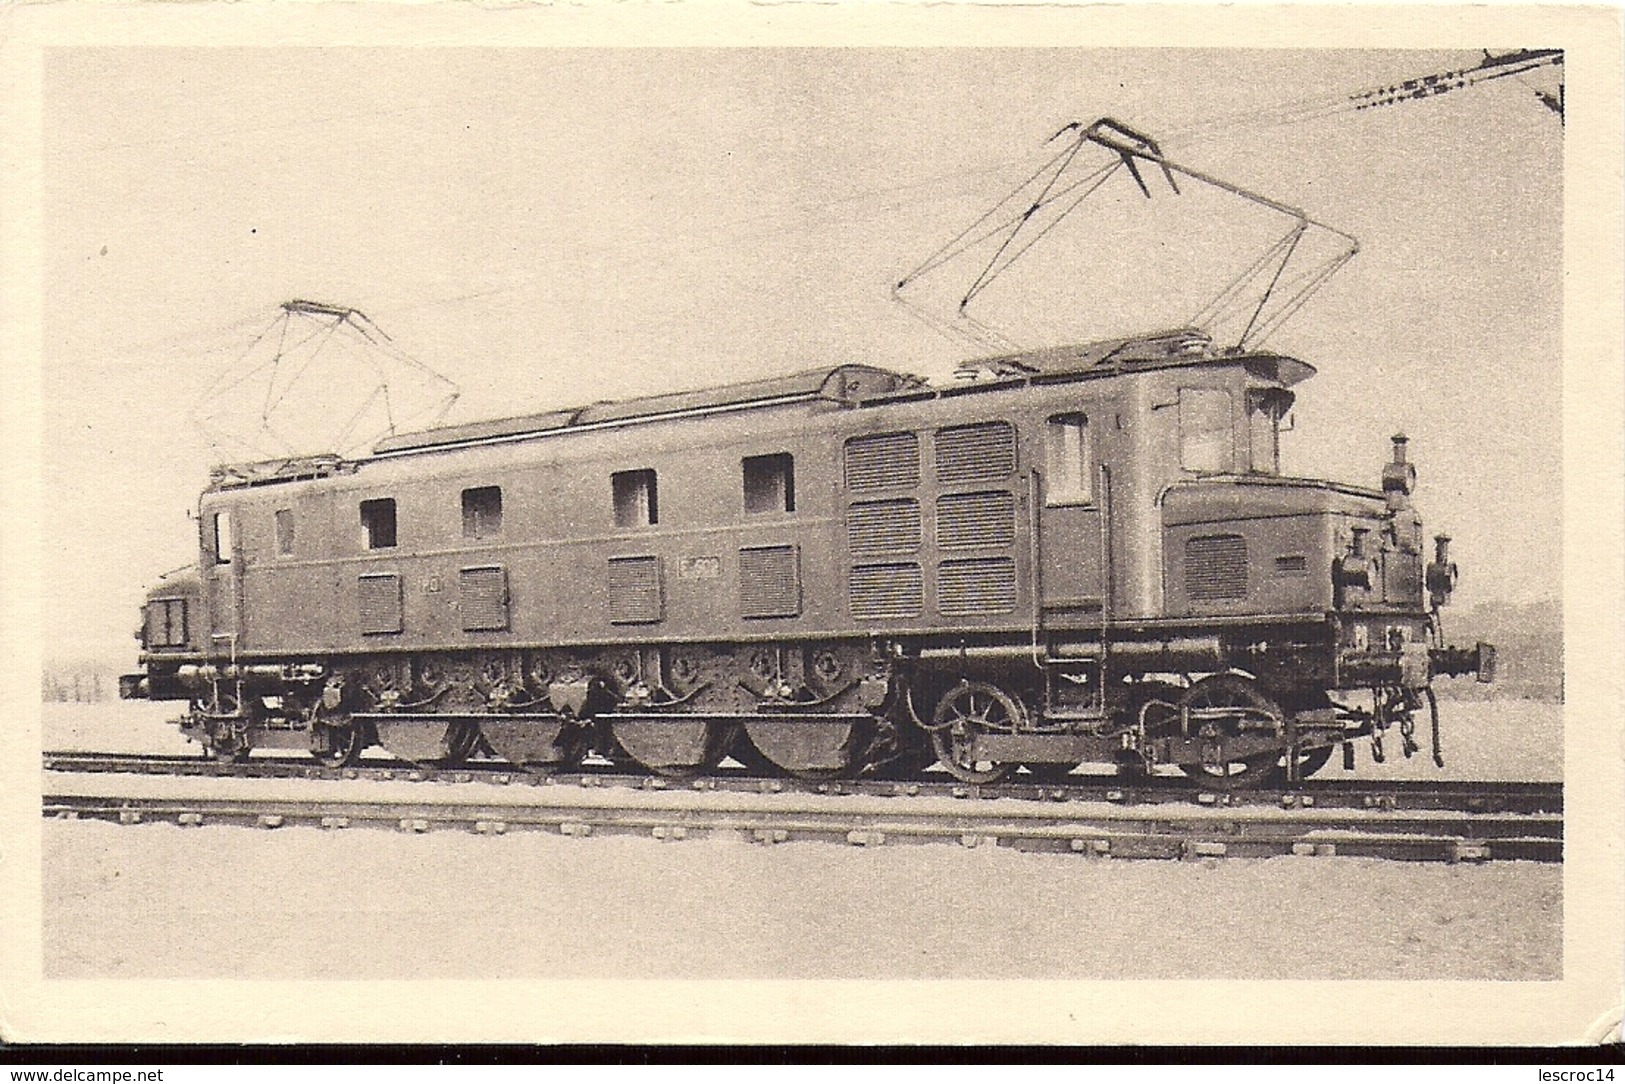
(1081, 554)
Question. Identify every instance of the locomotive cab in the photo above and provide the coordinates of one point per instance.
(1243, 545)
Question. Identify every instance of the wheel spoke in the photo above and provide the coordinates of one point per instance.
(966, 711)
(1235, 693)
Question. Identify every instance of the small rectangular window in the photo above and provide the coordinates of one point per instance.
(1264, 410)
(378, 522)
(482, 512)
(637, 503)
(1207, 435)
(222, 538)
(284, 531)
(175, 619)
(166, 623)
(770, 483)
(1071, 467)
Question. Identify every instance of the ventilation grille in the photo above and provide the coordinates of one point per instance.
(379, 602)
(635, 597)
(975, 453)
(883, 527)
(483, 598)
(1216, 567)
(976, 519)
(1292, 564)
(970, 588)
(886, 591)
(882, 462)
(769, 582)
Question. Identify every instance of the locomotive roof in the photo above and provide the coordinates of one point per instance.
(849, 385)
(1181, 346)
(841, 384)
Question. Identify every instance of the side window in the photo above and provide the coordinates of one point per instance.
(176, 620)
(1071, 467)
(1264, 432)
(770, 483)
(378, 523)
(221, 522)
(1207, 435)
(284, 531)
(637, 504)
(166, 623)
(482, 512)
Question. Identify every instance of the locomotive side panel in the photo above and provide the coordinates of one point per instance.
(1080, 483)
(285, 538)
(523, 544)
(934, 515)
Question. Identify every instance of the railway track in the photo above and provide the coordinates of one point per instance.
(1141, 822)
(1451, 795)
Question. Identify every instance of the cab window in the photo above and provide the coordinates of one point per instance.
(1264, 431)
(220, 537)
(1207, 436)
(1066, 455)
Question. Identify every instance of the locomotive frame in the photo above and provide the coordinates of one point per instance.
(1080, 554)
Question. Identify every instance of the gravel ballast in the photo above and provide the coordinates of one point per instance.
(158, 901)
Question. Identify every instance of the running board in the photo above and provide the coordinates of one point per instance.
(1044, 748)
(848, 718)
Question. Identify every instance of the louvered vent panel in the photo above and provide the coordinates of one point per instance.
(769, 582)
(976, 453)
(976, 519)
(883, 462)
(886, 591)
(1216, 567)
(635, 597)
(971, 588)
(379, 595)
(483, 598)
(883, 527)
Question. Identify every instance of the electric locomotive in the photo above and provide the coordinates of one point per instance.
(1078, 555)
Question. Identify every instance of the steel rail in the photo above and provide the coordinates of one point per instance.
(1445, 795)
(1191, 833)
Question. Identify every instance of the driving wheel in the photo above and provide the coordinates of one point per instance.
(970, 709)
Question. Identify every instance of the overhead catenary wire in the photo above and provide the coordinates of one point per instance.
(1412, 89)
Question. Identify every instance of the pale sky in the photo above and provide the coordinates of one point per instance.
(548, 228)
